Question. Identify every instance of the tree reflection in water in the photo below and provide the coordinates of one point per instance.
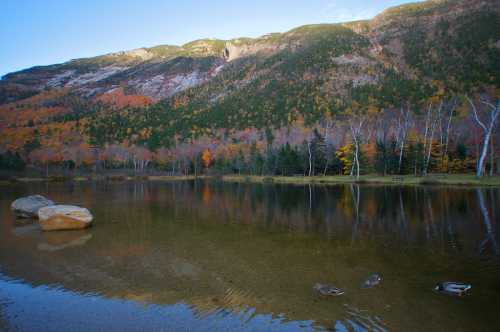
(255, 250)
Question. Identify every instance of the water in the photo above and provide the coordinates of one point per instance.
(208, 256)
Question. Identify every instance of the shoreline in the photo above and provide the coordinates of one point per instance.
(404, 180)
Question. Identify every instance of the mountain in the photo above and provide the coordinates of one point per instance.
(165, 95)
(401, 37)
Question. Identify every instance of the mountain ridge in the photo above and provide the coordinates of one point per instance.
(205, 56)
(210, 90)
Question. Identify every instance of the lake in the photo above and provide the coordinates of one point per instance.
(213, 256)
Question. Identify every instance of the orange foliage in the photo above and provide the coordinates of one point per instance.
(14, 138)
(206, 158)
(119, 99)
(19, 113)
(21, 117)
(370, 151)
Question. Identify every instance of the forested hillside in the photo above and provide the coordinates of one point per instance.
(414, 90)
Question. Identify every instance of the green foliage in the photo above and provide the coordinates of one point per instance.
(32, 144)
(289, 160)
(462, 57)
(393, 90)
(11, 161)
(414, 9)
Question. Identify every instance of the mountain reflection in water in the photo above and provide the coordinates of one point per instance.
(218, 256)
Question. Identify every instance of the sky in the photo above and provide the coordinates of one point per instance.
(43, 32)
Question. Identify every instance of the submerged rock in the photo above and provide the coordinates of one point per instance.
(327, 290)
(27, 207)
(372, 281)
(453, 288)
(64, 217)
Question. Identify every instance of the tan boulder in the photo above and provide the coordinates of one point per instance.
(64, 217)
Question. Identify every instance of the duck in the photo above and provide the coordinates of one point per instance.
(372, 281)
(327, 290)
(453, 288)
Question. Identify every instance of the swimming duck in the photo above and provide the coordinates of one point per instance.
(372, 281)
(328, 290)
(453, 288)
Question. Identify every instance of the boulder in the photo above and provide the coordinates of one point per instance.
(27, 207)
(64, 217)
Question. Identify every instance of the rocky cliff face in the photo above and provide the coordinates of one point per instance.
(163, 71)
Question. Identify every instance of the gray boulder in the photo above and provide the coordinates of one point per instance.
(27, 207)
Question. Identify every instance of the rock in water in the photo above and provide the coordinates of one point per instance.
(64, 217)
(27, 207)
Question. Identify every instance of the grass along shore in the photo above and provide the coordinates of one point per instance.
(432, 179)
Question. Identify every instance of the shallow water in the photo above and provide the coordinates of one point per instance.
(209, 256)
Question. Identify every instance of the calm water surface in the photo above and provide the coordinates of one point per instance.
(208, 256)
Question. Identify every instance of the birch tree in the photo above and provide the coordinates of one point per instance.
(356, 125)
(430, 129)
(404, 123)
(448, 126)
(490, 111)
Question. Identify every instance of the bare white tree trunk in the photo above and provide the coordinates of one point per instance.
(428, 157)
(433, 124)
(487, 130)
(327, 131)
(404, 133)
(448, 128)
(310, 157)
(356, 135)
(427, 123)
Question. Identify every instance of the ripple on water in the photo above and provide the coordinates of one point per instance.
(28, 308)
(361, 320)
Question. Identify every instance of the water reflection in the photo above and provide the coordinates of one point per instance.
(246, 256)
(56, 309)
(490, 233)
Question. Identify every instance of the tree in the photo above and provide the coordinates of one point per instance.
(490, 112)
(206, 158)
(382, 157)
(256, 160)
(318, 149)
(11, 161)
(288, 160)
(431, 122)
(141, 157)
(356, 126)
(404, 122)
(345, 155)
(32, 144)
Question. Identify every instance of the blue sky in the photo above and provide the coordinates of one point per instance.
(41, 32)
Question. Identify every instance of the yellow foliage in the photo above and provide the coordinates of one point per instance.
(344, 153)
